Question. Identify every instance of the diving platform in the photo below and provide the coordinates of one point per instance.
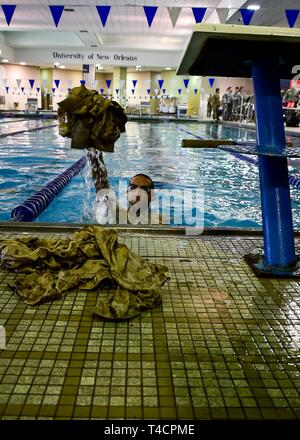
(267, 55)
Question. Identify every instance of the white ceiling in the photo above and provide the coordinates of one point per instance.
(32, 25)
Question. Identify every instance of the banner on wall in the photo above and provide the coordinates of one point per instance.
(18, 81)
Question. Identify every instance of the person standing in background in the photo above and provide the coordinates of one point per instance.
(216, 104)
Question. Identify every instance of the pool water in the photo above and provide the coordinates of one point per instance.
(231, 186)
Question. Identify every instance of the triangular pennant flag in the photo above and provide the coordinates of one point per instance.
(38, 89)
(134, 81)
(22, 89)
(117, 91)
(103, 12)
(147, 83)
(8, 11)
(4, 81)
(56, 12)
(7, 89)
(31, 82)
(211, 81)
(44, 83)
(102, 91)
(108, 83)
(160, 83)
(164, 91)
(18, 81)
(156, 91)
(46, 91)
(186, 82)
(69, 83)
(174, 14)
(292, 15)
(121, 83)
(148, 91)
(150, 12)
(179, 91)
(82, 82)
(222, 14)
(247, 15)
(231, 13)
(199, 14)
(132, 91)
(94, 83)
(109, 91)
(195, 91)
(53, 90)
(56, 82)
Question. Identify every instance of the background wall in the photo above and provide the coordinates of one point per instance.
(9, 75)
(194, 96)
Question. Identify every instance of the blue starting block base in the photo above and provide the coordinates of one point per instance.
(260, 151)
(262, 270)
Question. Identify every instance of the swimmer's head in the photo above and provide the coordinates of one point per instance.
(140, 185)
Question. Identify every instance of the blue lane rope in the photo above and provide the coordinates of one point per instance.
(36, 204)
(293, 180)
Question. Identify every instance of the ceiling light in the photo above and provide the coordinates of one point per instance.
(62, 67)
(168, 68)
(253, 7)
(23, 63)
(4, 61)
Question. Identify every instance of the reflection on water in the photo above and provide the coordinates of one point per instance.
(231, 186)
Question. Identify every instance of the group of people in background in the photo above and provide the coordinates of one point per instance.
(237, 106)
(291, 103)
(232, 106)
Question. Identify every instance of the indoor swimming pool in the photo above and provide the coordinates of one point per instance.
(231, 187)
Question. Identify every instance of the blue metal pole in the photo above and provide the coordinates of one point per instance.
(279, 245)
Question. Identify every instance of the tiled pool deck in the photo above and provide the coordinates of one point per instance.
(223, 345)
